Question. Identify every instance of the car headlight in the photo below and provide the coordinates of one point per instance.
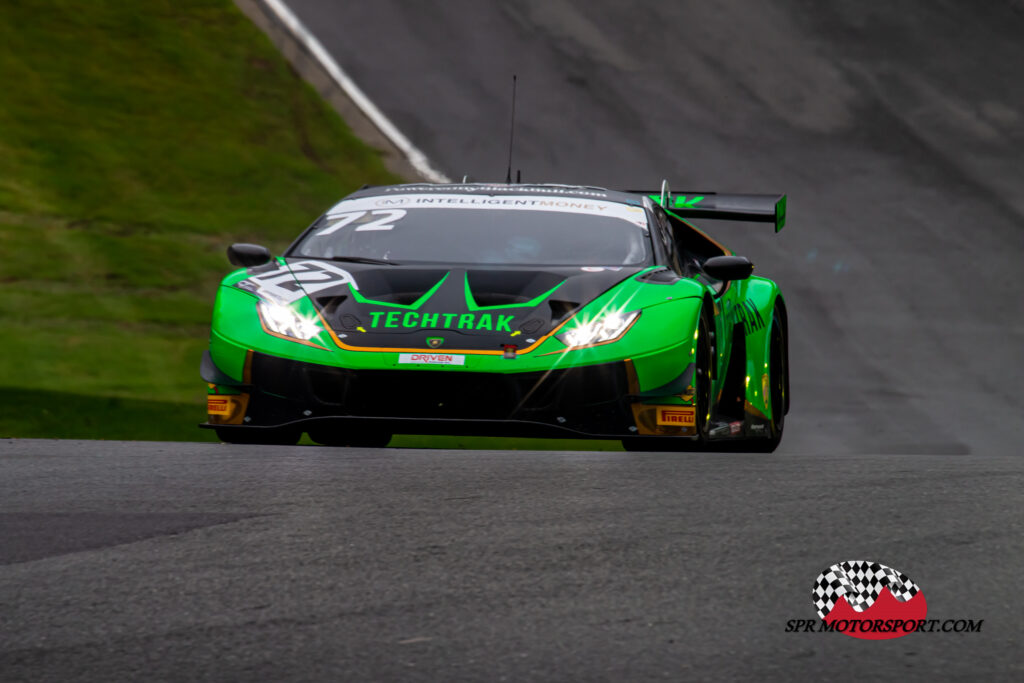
(284, 320)
(604, 328)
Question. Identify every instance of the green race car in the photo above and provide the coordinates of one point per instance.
(504, 310)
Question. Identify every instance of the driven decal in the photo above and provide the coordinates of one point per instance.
(448, 321)
(291, 282)
(432, 358)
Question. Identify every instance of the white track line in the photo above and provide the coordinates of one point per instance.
(416, 158)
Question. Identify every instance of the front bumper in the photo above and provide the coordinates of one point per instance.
(591, 401)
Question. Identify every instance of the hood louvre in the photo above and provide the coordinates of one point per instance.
(560, 308)
(402, 286)
(328, 305)
(509, 287)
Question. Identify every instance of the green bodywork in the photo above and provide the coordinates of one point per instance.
(353, 319)
(660, 344)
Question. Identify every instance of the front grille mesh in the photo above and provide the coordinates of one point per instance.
(591, 398)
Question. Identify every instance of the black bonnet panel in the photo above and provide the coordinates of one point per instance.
(504, 287)
(468, 309)
(398, 285)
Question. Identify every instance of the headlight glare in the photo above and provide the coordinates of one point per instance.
(603, 328)
(284, 320)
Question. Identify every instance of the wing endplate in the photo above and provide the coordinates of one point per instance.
(759, 208)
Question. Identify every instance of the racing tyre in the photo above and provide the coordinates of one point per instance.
(704, 360)
(267, 437)
(778, 389)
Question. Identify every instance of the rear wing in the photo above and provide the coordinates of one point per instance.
(759, 208)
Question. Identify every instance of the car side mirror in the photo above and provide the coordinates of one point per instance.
(729, 267)
(248, 255)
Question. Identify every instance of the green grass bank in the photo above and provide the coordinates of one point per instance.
(138, 140)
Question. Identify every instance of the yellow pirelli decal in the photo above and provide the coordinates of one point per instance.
(677, 416)
(218, 405)
(225, 409)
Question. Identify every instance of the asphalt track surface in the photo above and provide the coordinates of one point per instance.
(897, 132)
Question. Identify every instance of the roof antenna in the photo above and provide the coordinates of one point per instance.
(511, 132)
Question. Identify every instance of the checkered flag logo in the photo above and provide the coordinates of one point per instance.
(860, 582)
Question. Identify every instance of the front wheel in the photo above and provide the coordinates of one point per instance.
(705, 357)
(778, 389)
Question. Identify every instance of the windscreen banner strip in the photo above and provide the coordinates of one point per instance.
(591, 207)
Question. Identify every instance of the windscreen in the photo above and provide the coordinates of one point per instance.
(512, 230)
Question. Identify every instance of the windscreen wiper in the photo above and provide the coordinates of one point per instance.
(363, 259)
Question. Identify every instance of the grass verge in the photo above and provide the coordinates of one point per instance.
(138, 140)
